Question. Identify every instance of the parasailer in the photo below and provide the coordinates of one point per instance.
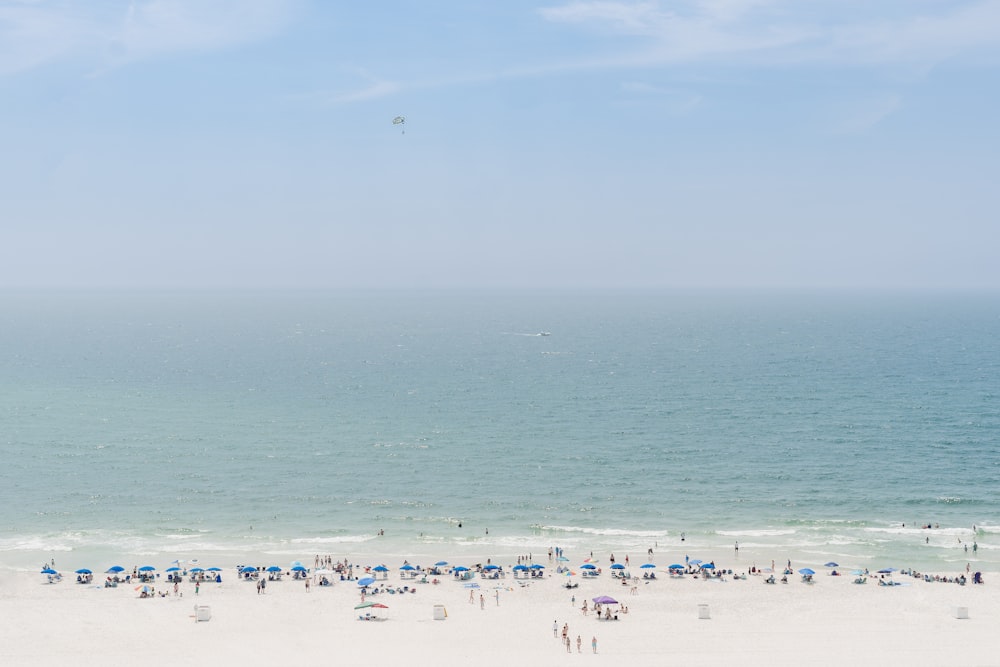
(401, 121)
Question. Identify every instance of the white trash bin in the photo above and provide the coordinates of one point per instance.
(440, 613)
(961, 612)
(703, 611)
(202, 612)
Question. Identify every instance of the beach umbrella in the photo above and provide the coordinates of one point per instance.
(857, 572)
(472, 585)
(249, 568)
(144, 589)
(707, 566)
(537, 566)
(214, 569)
(49, 570)
(563, 559)
(274, 568)
(492, 567)
(295, 563)
(695, 561)
(116, 569)
(407, 567)
(647, 566)
(604, 599)
(441, 563)
(367, 581)
(173, 569)
(617, 566)
(461, 568)
(887, 570)
(298, 568)
(676, 566)
(147, 568)
(380, 568)
(197, 569)
(832, 564)
(806, 570)
(83, 570)
(588, 566)
(365, 605)
(520, 568)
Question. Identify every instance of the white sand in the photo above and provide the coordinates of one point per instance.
(832, 622)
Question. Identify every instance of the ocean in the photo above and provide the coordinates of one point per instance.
(220, 426)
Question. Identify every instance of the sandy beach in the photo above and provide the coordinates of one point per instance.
(831, 621)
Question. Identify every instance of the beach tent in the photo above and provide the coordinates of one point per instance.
(377, 607)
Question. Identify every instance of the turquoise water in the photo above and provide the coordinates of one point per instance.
(825, 425)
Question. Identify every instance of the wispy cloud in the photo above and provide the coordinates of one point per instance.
(867, 113)
(112, 32)
(790, 31)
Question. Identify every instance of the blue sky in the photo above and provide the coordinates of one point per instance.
(686, 143)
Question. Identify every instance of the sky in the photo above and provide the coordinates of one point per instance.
(546, 144)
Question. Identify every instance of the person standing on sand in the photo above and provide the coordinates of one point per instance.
(579, 643)
(307, 584)
(555, 628)
(482, 601)
(593, 644)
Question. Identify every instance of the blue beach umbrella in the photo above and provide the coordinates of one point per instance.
(492, 567)
(695, 561)
(249, 568)
(588, 566)
(520, 568)
(887, 570)
(461, 568)
(832, 564)
(214, 569)
(441, 563)
(647, 566)
(407, 567)
(676, 566)
(299, 568)
(274, 568)
(173, 569)
(617, 566)
(806, 570)
(537, 566)
(380, 568)
(367, 581)
(83, 570)
(49, 570)
(197, 569)
(707, 566)
(147, 568)
(115, 569)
